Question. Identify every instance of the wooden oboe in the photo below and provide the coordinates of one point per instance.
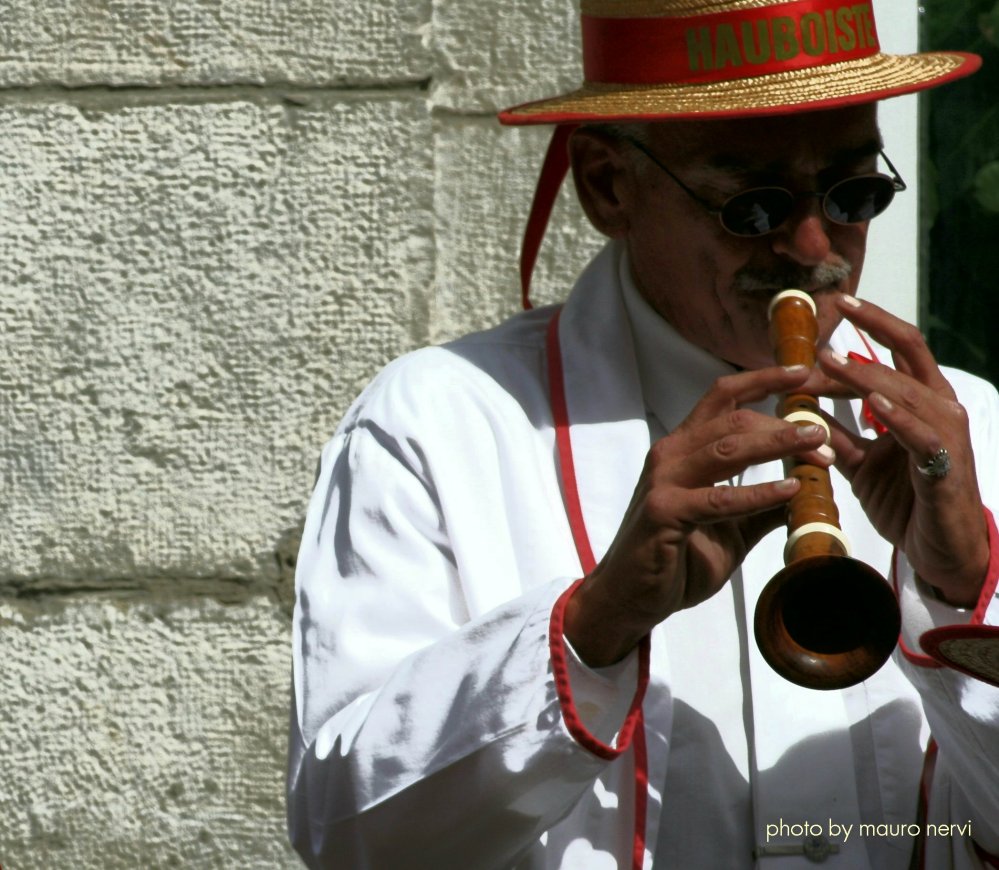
(826, 621)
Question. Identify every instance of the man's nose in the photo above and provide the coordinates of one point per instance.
(804, 236)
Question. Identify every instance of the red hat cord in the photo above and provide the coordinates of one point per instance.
(553, 172)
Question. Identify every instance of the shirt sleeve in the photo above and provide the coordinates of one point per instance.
(602, 696)
(420, 737)
(962, 711)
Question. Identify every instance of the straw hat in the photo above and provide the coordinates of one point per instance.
(657, 60)
(645, 60)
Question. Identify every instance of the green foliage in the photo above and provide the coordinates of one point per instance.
(961, 184)
(987, 186)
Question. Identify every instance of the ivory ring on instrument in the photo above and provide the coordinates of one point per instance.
(811, 528)
(809, 417)
(790, 294)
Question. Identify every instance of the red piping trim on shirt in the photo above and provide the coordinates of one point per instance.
(563, 686)
(632, 732)
(984, 599)
(871, 357)
(867, 411)
(560, 413)
(641, 784)
(917, 658)
(992, 575)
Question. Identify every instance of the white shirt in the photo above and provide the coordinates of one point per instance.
(426, 727)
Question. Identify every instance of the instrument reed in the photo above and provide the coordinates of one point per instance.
(826, 621)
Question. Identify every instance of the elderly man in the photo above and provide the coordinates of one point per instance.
(533, 555)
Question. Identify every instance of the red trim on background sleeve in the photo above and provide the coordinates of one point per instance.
(917, 658)
(991, 574)
(984, 600)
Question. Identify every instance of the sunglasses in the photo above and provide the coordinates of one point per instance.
(762, 210)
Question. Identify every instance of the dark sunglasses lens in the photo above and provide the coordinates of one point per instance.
(856, 200)
(757, 212)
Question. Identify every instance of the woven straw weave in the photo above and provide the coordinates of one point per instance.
(675, 8)
(857, 77)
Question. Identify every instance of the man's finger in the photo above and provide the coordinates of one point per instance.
(909, 349)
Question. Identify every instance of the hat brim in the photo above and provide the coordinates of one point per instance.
(847, 83)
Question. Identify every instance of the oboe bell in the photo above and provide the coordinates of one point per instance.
(826, 620)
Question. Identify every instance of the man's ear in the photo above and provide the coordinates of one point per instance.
(602, 175)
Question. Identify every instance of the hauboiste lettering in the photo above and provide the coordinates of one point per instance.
(780, 38)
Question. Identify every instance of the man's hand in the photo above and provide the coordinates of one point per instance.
(682, 536)
(938, 522)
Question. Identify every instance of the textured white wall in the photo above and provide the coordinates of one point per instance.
(217, 219)
(891, 274)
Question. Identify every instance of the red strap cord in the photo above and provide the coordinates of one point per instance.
(553, 172)
(633, 730)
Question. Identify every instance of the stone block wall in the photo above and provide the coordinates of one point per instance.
(218, 218)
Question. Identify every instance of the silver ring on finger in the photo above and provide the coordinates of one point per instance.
(938, 465)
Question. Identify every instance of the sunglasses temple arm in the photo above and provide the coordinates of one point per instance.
(900, 185)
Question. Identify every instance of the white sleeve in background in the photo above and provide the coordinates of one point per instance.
(962, 711)
(963, 714)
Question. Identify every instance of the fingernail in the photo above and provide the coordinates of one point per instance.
(806, 432)
(839, 358)
(826, 452)
(787, 484)
(852, 301)
(795, 368)
(881, 402)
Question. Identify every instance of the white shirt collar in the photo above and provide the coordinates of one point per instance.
(674, 373)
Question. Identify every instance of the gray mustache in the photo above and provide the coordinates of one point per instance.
(752, 282)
